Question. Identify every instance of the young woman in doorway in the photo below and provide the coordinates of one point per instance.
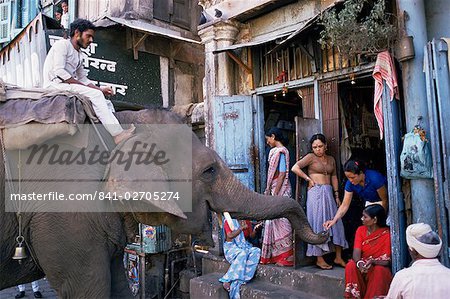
(322, 199)
(277, 244)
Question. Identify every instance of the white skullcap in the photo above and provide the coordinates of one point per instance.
(415, 231)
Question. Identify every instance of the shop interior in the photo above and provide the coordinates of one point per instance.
(280, 110)
(359, 122)
(359, 139)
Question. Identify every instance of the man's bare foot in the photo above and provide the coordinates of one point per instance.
(226, 286)
(340, 262)
(124, 135)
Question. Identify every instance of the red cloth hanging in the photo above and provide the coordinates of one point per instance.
(384, 70)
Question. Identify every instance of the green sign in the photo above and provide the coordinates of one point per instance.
(110, 63)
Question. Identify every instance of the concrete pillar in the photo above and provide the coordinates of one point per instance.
(218, 68)
(422, 190)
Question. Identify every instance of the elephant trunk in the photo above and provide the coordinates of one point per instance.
(233, 197)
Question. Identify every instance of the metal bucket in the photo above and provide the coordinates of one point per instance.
(405, 48)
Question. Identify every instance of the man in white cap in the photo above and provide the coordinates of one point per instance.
(427, 277)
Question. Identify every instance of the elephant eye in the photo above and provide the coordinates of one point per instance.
(209, 173)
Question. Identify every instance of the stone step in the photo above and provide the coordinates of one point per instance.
(310, 279)
(208, 286)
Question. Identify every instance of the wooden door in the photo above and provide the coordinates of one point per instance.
(328, 92)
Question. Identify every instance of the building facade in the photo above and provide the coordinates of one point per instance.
(264, 67)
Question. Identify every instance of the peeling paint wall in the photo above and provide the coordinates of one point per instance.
(186, 64)
(91, 10)
(437, 14)
(95, 9)
(283, 18)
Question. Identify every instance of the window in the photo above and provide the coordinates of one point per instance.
(5, 17)
(176, 12)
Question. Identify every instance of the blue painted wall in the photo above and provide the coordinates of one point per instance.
(437, 15)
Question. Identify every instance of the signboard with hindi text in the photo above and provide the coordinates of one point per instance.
(110, 63)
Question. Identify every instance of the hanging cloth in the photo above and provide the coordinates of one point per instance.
(384, 70)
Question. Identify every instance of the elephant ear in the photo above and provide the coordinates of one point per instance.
(140, 182)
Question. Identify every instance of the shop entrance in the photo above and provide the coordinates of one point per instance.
(280, 110)
(359, 139)
(358, 119)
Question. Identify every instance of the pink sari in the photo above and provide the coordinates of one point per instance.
(277, 244)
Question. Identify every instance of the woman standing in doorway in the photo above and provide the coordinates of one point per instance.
(322, 199)
(277, 244)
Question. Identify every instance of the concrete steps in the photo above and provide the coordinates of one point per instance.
(270, 282)
(208, 286)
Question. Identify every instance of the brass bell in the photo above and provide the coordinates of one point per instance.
(20, 252)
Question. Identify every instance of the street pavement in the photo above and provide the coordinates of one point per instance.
(44, 288)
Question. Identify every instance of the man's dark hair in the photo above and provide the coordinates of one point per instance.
(80, 25)
(64, 1)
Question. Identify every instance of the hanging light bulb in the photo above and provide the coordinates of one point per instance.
(352, 79)
(284, 90)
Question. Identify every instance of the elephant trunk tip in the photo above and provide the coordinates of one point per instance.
(316, 239)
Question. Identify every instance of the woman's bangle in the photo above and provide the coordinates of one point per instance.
(357, 264)
(307, 179)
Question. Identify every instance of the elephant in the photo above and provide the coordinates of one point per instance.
(81, 254)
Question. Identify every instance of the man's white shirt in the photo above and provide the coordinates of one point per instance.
(63, 62)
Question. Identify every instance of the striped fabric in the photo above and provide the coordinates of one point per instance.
(384, 70)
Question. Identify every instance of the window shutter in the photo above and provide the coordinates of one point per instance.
(182, 13)
(162, 9)
(5, 17)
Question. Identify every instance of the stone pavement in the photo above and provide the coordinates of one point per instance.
(44, 288)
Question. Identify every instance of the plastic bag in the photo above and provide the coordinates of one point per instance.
(415, 159)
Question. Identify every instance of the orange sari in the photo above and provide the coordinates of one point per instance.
(377, 280)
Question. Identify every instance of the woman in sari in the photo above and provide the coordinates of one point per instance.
(322, 200)
(277, 247)
(241, 255)
(369, 274)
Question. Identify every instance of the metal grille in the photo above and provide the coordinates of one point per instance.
(284, 65)
(332, 60)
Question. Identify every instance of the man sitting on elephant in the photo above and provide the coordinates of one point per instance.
(241, 255)
(64, 70)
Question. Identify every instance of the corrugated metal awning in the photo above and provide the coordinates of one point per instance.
(277, 35)
(152, 29)
(259, 41)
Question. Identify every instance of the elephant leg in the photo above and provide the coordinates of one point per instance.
(74, 270)
(75, 277)
(119, 283)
